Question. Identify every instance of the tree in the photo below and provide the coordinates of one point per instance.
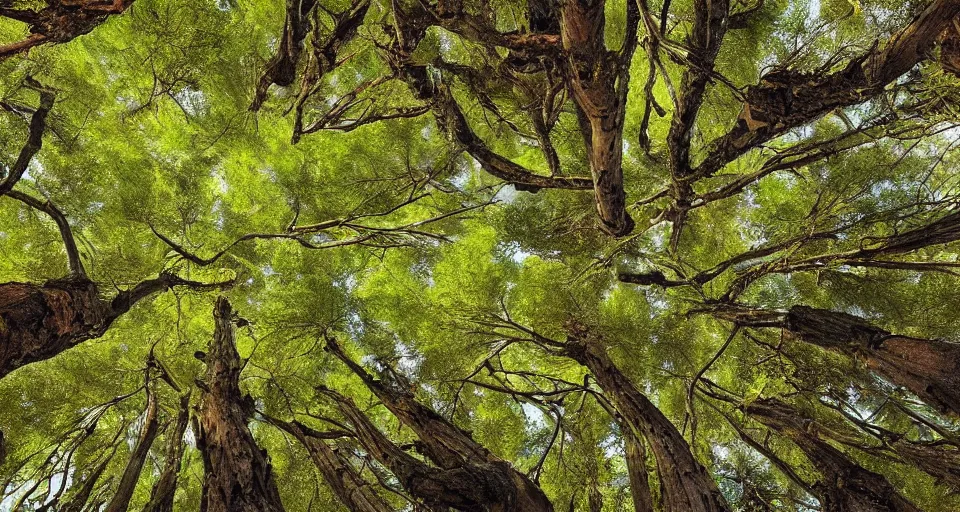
(645, 255)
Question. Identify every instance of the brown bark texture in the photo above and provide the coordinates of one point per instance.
(686, 484)
(844, 486)
(237, 474)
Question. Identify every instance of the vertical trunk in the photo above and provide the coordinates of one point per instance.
(131, 474)
(592, 76)
(928, 368)
(349, 486)
(686, 484)
(237, 475)
(165, 488)
(636, 456)
(844, 485)
(39, 322)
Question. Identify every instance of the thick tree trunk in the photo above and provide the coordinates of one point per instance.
(686, 484)
(237, 475)
(131, 474)
(928, 368)
(39, 322)
(165, 488)
(845, 486)
(471, 487)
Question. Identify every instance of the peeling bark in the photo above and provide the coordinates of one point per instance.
(237, 474)
(844, 485)
(165, 488)
(686, 484)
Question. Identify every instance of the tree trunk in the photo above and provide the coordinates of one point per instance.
(686, 484)
(845, 486)
(448, 446)
(237, 475)
(340, 474)
(165, 488)
(636, 456)
(928, 368)
(39, 322)
(592, 74)
(131, 474)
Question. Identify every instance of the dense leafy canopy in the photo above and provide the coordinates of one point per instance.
(479, 255)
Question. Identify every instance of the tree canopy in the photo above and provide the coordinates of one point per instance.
(478, 255)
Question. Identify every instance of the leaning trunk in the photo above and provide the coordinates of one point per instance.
(131, 474)
(928, 368)
(845, 486)
(636, 457)
(162, 494)
(686, 484)
(340, 474)
(237, 475)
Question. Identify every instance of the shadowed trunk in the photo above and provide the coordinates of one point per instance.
(929, 368)
(165, 488)
(448, 446)
(237, 475)
(131, 474)
(636, 456)
(471, 487)
(338, 472)
(59, 22)
(844, 485)
(686, 484)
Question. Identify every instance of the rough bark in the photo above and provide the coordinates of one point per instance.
(686, 485)
(237, 474)
(338, 472)
(471, 487)
(59, 22)
(785, 99)
(844, 485)
(165, 488)
(38, 322)
(636, 456)
(927, 367)
(597, 80)
(449, 447)
(131, 474)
